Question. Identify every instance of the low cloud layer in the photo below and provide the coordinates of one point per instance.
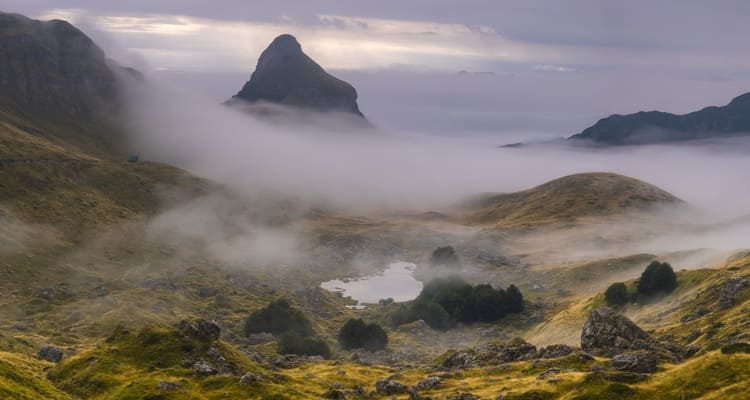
(403, 169)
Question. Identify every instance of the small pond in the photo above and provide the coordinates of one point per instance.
(396, 281)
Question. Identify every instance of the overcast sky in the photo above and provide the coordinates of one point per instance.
(550, 68)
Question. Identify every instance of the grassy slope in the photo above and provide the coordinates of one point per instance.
(568, 198)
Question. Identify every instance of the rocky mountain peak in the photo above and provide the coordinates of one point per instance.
(286, 75)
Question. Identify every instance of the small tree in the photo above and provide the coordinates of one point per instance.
(278, 317)
(658, 277)
(357, 334)
(445, 257)
(294, 343)
(514, 299)
(616, 294)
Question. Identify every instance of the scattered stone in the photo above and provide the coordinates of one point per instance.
(202, 368)
(288, 361)
(431, 382)
(250, 378)
(554, 351)
(458, 360)
(389, 387)
(730, 290)
(548, 372)
(200, 329)
(50, 353)
(640, 361)
(166, 385)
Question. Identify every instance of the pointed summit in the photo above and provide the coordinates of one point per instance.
(286, 75)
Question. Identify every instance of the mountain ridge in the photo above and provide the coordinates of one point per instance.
(649, 127)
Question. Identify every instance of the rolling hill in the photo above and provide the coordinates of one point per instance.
(568, 198)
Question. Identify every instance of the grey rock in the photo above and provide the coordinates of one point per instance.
(431, 382)
(640, 361)
(389, 387)
(203, 368)
(200, 329)
(250, 378)
(607, 333)
(50, 353)
(554, 351)
(731, 289)
(169, 386)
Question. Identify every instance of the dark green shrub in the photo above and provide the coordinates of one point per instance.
(445, 257)
(294, 343)
(657, 278)
(444, 302)
(278, 317)
(616, 294)
(356, 334)
(733, 348)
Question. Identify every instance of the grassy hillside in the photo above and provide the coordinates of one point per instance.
(568, 198)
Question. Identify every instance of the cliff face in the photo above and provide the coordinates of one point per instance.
(730, 120)
(52, 67)
(286, 75)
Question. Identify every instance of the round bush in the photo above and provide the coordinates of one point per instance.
(357, 334)
(616, 294)
(658, 278)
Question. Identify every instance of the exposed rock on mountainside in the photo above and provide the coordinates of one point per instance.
(608, 333)
(286, 75)
(569, 197)
(52, 67)
(730, 120)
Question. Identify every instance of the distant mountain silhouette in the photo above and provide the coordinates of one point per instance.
(661, 127)
(286, 75)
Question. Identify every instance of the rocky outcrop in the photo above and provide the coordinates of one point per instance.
(640, 361)
(731, 290)
(50, 353)
(52, 67)
(286, 75)
(200, 329)
(498, 353)
(390, 387)
(607, 333)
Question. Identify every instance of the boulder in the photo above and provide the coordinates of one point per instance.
(50, 353)
(389, 387)
(607, 333)
(168, 386)
(429, 383)
(203, 368)
(554, 351)
(640, 361)
(250, 378)
(200, 329)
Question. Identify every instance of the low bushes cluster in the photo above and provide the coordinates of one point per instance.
(447, 301)
(291, 326)
(356, 334)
